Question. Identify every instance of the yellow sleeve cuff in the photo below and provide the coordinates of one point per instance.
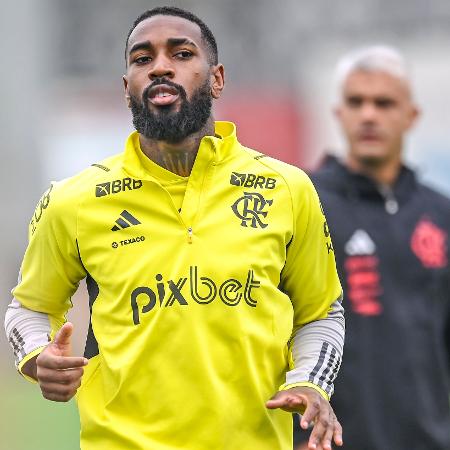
(26, 359)
(285, 387)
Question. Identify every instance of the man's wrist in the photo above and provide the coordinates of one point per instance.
(30, 368)
(324, 394)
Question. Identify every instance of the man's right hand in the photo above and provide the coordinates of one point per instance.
(57, 372)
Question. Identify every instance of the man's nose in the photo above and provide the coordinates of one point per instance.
(368, 111)
(161, 67)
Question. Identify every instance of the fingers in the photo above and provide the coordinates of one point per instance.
(277, 401)
(59, 392)
(318, 411)
(311, 412)
(326, 429)
(59, 385)
(63, 336)
(49, 361)
(59, 376)
(65, 377)
(285, 401)
(321, 434)
(327, 436)
(337, 435)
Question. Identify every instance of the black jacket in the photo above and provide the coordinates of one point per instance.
(392, 253)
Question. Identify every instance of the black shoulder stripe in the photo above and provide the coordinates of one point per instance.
(260, 156)
(106, 169)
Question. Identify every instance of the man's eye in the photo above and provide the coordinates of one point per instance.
(354, 102)
(142, 59)
(183, 54)
(384, 103)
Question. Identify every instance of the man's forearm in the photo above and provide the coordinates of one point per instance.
(317, 351)
(26, 331)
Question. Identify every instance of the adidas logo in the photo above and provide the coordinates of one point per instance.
(360, 244)
(124, 221)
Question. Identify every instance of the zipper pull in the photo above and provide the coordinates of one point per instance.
(390, 202)
(391, 206)
(190, 235)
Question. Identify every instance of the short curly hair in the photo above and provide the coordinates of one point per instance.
(206, 33)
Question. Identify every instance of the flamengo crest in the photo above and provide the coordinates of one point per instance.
(250, 209)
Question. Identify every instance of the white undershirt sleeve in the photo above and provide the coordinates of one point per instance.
(26, 330)
(317, 350)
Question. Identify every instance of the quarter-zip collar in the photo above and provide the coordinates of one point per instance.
(336, 176)
(216, 148)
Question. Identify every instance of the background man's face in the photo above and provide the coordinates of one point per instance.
(375, 112)
(169, 78)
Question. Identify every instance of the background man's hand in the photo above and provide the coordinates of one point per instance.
(57, 372)
(316, 410)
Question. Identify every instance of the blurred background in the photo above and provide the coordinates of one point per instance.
(62, 109)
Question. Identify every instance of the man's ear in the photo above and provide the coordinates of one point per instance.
(217, 80)
(337, 112)
(414, 114)
(127, 94)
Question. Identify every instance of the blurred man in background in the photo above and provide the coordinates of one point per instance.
(390, 235)
(203, 285)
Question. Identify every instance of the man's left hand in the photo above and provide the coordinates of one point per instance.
(316, 409)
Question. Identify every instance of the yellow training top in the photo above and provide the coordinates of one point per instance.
(191, 311)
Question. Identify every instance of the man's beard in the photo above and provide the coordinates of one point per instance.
(168, 126)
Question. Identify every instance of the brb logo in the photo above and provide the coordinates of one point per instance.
(202, 290)
(250, 180)
(116, 186)
(250, 209)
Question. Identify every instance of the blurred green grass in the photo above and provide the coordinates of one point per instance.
(29, 422)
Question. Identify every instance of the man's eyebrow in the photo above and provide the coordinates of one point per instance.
(145, 45)
(175, 42)
(171, 42)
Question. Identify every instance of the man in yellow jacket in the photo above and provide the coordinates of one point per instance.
(215, 303)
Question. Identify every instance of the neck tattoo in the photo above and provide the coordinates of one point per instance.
(180, 162)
